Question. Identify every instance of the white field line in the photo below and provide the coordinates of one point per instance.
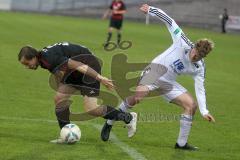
(134, 154)
(27, 119)
(53, 121)
(127, 149)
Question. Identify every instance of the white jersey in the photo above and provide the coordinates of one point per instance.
(176, 58)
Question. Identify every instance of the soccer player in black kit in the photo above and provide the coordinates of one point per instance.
(224, 19)
(74, 68)
(117, 9)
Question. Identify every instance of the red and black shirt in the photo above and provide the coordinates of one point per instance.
(119, 6)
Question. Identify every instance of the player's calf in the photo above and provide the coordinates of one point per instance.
(62, 112)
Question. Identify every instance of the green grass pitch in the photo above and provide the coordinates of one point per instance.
(27, 109)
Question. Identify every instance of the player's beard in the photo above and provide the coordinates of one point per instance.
(34, 67)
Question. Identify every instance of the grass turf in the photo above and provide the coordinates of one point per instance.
(25, 95)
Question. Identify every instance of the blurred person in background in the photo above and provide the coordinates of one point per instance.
(117, 9)
(224, 18)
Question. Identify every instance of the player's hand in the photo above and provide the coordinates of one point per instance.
(209, 117)
(107, 82)
(106, 14)
(144, 8)
(115, 12)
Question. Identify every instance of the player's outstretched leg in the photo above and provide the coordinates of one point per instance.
(132, 127)
(105, 133)
(107, 112)
(111, 113)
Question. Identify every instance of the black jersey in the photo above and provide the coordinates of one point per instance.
(56, 56)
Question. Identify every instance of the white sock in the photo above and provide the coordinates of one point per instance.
(123, 107)
(185, 127)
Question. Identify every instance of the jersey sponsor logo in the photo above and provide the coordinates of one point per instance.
(177, 66)
(177, 31)
(92, 92)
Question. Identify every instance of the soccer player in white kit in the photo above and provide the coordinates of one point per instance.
(182, 58)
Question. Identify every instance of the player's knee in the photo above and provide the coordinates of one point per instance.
(131, 101)
(194, 106)
(56, 99)
(110, 30)
(137, 99)
(59, 99)
(191, 107)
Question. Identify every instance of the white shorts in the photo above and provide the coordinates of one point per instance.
(154, 78)
(176, 90)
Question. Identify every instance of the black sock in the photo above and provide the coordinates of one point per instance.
(119, 36)
(62, 114)
(109, 37)
(113, 114)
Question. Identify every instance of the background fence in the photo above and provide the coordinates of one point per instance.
(200, 13)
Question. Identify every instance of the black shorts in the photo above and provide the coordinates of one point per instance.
(85, 84)
(116, 23)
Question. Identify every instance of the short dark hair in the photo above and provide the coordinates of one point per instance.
(27, 52)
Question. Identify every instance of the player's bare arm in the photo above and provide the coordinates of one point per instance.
(85, 69)
(107, 13)
(119, 12)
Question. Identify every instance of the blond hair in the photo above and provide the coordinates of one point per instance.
(204, 46)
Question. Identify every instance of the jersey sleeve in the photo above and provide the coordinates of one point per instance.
(199, 79)
(172, 26)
